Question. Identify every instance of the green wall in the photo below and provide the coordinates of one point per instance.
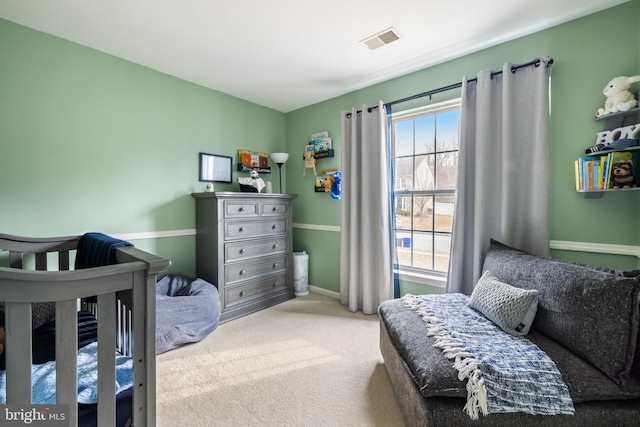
(584, 61)
(91, 142)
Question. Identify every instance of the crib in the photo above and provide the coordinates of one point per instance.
(39, 272)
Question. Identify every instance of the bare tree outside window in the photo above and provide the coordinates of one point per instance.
(426, 159)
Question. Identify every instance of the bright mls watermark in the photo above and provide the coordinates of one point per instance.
(34, 415)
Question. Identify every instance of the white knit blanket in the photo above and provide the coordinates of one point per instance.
(505, 373)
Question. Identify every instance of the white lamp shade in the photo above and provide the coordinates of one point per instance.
(279, 157)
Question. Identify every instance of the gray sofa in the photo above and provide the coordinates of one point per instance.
(587, 322)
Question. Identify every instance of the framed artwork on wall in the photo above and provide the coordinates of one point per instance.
(215, 168)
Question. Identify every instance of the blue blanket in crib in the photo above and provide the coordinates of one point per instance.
(44, 378)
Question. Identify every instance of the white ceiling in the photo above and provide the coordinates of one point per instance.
(287, 54)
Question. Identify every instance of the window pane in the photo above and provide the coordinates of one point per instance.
(404, 138)
(446, 170)
(425, 135)
(404, 173)
(444, 213)
(442, 245)
(426, 156)
(403, 212)
(447, 131)
(424, 172)
(422, 212)
(403, 248)
(422, 250)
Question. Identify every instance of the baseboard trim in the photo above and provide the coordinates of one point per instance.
(600, 248)
(324, 292)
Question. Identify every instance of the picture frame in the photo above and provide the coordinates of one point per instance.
(216, 168)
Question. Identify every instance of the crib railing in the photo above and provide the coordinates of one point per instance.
(18, 247)
(124, 321)
(128, 286)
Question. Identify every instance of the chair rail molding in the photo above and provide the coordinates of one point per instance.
(564, 245)
(155, 234)
(317, 227)
(601, 248)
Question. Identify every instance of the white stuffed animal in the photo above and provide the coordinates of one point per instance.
(254, 181)
(618, 96)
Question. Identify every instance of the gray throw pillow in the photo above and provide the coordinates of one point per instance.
(511, 308)
(592, 311)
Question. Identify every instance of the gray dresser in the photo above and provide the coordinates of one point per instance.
(244, 247)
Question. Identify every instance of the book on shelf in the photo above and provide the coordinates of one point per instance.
(588, 173)
(320, 135)
(321, 142)
(596, 172)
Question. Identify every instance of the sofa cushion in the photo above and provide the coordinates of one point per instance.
(511, 308)
(431, 371)
(584, 381)
(435, 375)
(593, 312)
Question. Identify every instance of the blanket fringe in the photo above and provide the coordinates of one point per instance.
(464, 362)
(476, 396)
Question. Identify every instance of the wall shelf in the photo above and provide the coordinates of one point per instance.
(620, 114)
(243, 168)
(612, 120)
(323, 154)
(596, 194)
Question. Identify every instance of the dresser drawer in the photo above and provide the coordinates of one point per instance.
(245, 270)
(240, 208)
(248, 292)
(247, 229)
(274, 208)
(243, 245)
(246, 249)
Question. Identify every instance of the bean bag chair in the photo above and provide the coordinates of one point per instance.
(187, 311)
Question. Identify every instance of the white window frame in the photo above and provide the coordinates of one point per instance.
(413, 274)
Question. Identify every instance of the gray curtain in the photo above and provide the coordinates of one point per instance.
(503, 168)
(366, 272)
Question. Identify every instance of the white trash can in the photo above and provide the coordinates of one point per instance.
(301, 273)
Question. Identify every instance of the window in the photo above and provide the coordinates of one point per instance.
(426, 143)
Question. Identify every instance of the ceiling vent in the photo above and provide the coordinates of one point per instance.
(381, 39)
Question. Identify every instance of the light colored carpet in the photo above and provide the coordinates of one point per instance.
(305, 362)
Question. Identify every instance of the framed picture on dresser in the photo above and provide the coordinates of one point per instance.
(215, 168)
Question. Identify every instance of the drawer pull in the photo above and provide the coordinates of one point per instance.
(275, 208)
(241, 272)
(275, 245)
(242, 250)
(242, 293)
(241, 229)
(275, 284)
(274, 226)
(275, 265)
(241, 209)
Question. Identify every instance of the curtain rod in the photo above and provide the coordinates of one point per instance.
(536, 62)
